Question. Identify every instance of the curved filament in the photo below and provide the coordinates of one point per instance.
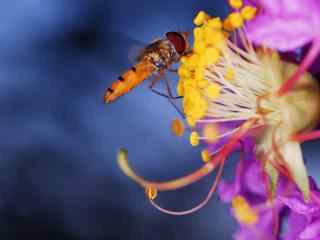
(198, 174)
(200, 205)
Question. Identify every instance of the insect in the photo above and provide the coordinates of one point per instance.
(154, 60)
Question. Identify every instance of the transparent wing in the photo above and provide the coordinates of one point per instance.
(115, 50)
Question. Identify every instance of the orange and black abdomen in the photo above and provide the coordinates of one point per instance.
(128, 80)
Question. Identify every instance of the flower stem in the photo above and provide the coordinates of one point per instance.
(306, 136)
(305, 64)
(198, 174)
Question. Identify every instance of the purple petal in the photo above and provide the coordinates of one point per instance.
(285, 24)
(227, 191)
(297, 204)
(281, 33)
(254, 179)
(261, 230)
(296, 224)
(311, 231)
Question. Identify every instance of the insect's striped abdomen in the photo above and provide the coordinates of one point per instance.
(128, 80)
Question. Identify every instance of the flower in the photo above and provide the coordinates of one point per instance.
(230, 97)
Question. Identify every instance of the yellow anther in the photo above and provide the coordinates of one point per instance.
(243, 211)
(184, 59)
(202, 83)
(191, 121)
(236, 20)
(248, 12)
(229, 75)
(193, 60)
(209, 31)
(236, 3)
(211, 133)
(215, 23)
(205, 155)
(212, 56)
(183, 72)
(227, 25)
(151, 192)
(212, 91)
(194, 139)
(199, 74)
(201, 18)
(177, 127)
(199, 47)
(198, 34)
(216, 40)
(180, 88)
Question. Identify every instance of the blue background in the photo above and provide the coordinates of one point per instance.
(58, 173)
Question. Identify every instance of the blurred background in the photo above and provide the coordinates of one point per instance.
(58, 173)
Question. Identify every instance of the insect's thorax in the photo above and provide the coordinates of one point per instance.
(161, 54)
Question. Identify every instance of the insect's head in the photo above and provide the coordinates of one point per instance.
(179, 40)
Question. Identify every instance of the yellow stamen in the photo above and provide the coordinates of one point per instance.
(180, 88)
(243, 211)
(151, 192)
(202, 83)
(183, 72)
(191, 121)
(184, 59)
(201, 18)
(229, 74)
(212, 56)
(248, 12)
(198, 34)
(199, 47)
(205, 155)
(177, 127)
(212, 91)
(194, 139)
(236, 20)
(215, 23)
(236, 3)
(211, 133)
(227, 25)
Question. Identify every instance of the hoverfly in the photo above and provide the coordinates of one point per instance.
(155, 59)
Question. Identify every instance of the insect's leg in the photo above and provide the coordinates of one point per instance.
(169, 89)
(169, 97)
(153, 83)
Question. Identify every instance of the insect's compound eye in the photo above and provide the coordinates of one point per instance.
(177, 40)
